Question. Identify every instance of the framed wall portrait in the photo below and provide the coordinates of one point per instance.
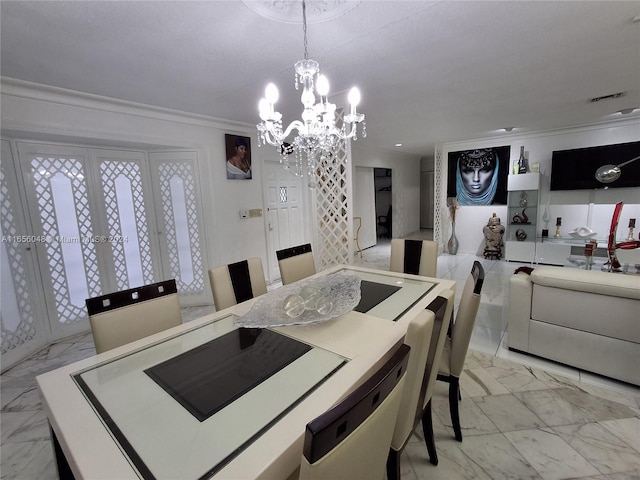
(238, 157)
(479, 177)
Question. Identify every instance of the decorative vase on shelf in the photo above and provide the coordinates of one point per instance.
(523, 166)
(452, 244)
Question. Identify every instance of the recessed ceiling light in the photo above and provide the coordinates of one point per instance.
(626, 111)
(508, 129)
(398, 144)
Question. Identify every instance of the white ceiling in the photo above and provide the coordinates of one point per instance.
(429, 71)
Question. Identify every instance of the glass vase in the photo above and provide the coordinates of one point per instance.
(452, 244)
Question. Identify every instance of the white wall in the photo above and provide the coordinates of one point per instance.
(572, 206)
(405, 175)
(35, 112)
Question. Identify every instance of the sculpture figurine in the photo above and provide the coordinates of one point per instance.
(493, 233)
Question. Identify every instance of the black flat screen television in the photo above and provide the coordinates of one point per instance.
(575, 169)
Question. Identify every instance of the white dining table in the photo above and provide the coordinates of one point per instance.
(115, 416)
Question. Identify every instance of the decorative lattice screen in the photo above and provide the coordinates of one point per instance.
(440, 198)
(26, 326)
(178, 196)
(128, 173)
(333, 211)
(61, 190)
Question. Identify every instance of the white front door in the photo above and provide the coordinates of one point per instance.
(285, 206)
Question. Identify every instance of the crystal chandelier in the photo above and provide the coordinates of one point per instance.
(318, 136)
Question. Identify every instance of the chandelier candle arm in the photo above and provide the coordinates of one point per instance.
(317, 137)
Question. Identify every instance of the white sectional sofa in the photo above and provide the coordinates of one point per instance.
(583, 318)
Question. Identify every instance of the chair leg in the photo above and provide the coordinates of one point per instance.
(393, 465)
(454, 395)
(427, 429)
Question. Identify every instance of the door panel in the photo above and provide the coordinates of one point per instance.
(179, 217)
(56, 181)
(285, 219)
(134, 251)
(24, 330)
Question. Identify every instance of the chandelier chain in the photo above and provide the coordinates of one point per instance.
(304, 28)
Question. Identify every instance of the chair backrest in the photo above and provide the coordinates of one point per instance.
(418, 338)
(465, 319)
(351, 440)
(123, 317)
(426, 336)
(418, 257)
(296, 263)
(237, 282)
(442, 307)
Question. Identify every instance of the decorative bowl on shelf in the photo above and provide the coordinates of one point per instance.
(583, 232)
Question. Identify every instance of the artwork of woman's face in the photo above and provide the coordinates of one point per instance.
(477, 169)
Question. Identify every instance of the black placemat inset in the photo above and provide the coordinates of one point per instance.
(208, 378)
(373, 293)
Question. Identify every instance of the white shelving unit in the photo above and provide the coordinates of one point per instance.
(522, 216)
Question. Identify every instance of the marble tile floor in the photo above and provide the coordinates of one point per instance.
(521, 417)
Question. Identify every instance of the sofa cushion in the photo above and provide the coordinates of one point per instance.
(613, 317)
(603, 283)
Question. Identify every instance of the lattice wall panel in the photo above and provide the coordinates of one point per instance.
(110, 171)
(182, 173)
(440, 200)
(26, 327)
(334, 222)
(61, 268)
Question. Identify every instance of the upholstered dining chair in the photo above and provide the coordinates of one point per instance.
(122, 317)
(457, 343)
(296, 263)
(234, 283)
(425, 335)
(350, 440)
(418, 257)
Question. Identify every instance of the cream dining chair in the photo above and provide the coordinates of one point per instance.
(417, 257)
(350, 441)
(122, 317)
(457, 344)
(234, 283)
(426, 336)
(296, 263)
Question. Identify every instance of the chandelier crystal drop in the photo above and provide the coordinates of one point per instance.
(318, 136)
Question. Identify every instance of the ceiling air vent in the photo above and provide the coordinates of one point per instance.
(608, 97)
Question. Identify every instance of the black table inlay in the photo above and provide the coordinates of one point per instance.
(372, 294)
(208, 378)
